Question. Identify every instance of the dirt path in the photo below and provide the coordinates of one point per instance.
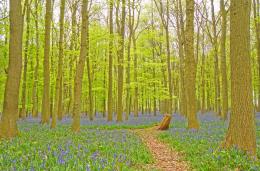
(165, 158)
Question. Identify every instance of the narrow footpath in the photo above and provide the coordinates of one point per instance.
(166, 159)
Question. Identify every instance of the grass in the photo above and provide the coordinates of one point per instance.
(39, 148)
(201, 148)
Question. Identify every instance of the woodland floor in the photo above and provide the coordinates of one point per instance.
(132, 145)
(166, 159)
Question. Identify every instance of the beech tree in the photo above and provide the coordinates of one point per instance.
(58, 95)
(242, 129)
(46, 87)
(110, 65)
(80, 68)
(190, 67)
(120, 83)
(8, 126)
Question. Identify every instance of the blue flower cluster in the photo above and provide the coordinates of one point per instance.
(40, 148)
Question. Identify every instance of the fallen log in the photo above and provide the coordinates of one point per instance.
(165, 123)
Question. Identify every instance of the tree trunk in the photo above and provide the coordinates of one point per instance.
(110, 65)
(90, 94)
(216, 63)
(8, 126)
(26, 49)
(121, 65)
(164, 125)
(46, 87)
(36, 70)
(170, 88)
(190, 67)
(58, 88)
(257, 32)
(203, 82)
(180, 32)
(135, 79)
(80, 69)
(224, 110)
(73, 46)
(242, 129)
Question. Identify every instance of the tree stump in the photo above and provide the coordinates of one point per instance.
(164, 125)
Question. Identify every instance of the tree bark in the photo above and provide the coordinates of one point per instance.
(242, 129)
(58, 88)
(46, 87)
(216, 63)
(36, 70)
(26, 49)
(121, 65)
(90, 94)
(8, 126)
(136, 100)
(256, 12)
(110, 65)
(190, 67)
(180, 32)
(80, 69)
(224, 110)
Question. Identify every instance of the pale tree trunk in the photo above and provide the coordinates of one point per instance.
(256, 8)
(224, 110)
(154, 61)
(80, 69)
(110, 65)
(130, 25)
(170, 88)
(90, 77)
(216, 63)
(46, 87)
(58, 89)
(203, 82)
(73, 46)
(36, 70)
(242, 129)
(190, 67)
(135, 79)
(26, 49)
(180, 32)
(121, 65)
(8, 126)
(104, 86)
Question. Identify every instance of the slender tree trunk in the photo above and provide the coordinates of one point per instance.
(121, 65)
(46, 87)
(180, 32)
(170, 88)
(36, 70)
(26, 49)
(216, 63)
(242, 129)
(104, 86)
(58, 88)
(190, 67)
(8, 126)
(90, 94)
(224, 110)
(135, 78)
(130, 25)
(110, 65)
(73, 46)
(203, 82)
(80, 69)
(256, 11)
